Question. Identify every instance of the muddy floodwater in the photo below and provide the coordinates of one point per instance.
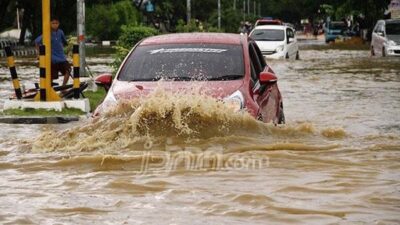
(185, 159)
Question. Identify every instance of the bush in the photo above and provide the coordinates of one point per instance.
(104, 21)
(130, 36)
(133, 34)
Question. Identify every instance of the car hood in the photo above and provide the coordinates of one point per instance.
(269, 45)
(216, 89)
(395, 38)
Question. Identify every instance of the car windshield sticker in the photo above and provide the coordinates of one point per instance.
(187, 50)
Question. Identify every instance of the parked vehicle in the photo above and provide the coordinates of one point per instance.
(386, 38)
(276, 41)
(229, 66)
(334, 29)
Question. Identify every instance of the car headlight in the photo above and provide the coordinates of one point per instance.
(280, 48)
(391, 43)
(235, 101)
(109, 102)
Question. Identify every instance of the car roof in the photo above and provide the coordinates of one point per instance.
(192, 38)
(272, 27)
(271, 21)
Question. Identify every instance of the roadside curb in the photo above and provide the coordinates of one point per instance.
(39, 119)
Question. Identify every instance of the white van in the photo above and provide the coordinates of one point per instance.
(276, 41)
(386, 38)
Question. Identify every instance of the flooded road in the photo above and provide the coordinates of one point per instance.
(336, 161)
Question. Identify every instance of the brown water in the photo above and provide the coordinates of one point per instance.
(185, 159)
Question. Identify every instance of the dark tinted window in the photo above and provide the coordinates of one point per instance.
(184, 61)
(338, 26)
(259, 55)
(268, 35)
(393, 29)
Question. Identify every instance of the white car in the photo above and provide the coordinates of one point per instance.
(276, 41)
(386, 38)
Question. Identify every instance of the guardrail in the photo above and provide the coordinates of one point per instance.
(18, 50)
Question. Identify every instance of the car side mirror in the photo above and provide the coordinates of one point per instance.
(267, 78)
(380, 33)
(104, 80)
(290, 40)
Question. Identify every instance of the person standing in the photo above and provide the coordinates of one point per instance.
(59, 63)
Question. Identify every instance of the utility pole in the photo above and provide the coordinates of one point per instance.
(81, 36)
(254, 7)
(234, 4)
(188, 11)
(244, 10)
(259, 9)
(219, 14)
(248, 7)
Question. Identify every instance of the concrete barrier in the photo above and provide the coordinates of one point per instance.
(38, 119)
(81, 104)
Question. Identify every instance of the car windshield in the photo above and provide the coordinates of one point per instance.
(184, 62)
(338, 26)
(393, 29)
(268, 35)
(260, 23)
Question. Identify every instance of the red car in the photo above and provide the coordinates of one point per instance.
(231, 65)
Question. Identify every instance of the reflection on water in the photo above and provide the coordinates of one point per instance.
(190, 160)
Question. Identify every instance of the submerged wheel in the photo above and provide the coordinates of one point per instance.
(372, 51)
(297, 55)
(287, 56)
(383, 52)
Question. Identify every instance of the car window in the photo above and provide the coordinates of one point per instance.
(290, 33)
(254, 58)
(376, 28)
(254, 77)
(260, 56)
(393, 29)
(268, 35)
(380, 28)
(184, 61)
(338, 26)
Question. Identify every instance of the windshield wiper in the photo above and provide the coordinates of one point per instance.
(228, 77)
(179, 78)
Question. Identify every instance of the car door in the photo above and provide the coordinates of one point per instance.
(267, 96)
(295, 44)
(291, 43)
(374, 38)
(380, 38)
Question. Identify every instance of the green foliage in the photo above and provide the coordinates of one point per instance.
(195, 26)
(104, 21)
(187, 28)
(95, 97)
(231, 20)
(129, 37)
(132, 34)
(106, 29)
